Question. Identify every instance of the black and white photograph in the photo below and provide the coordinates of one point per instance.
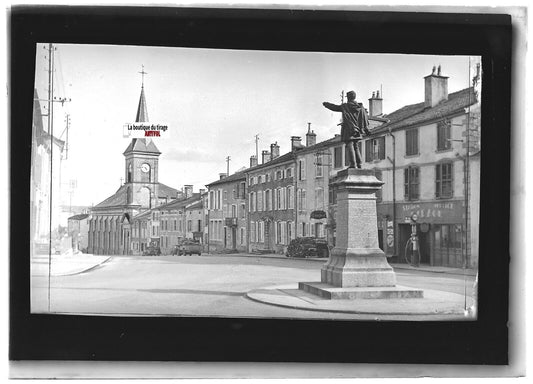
(210, 182)
(225, 185)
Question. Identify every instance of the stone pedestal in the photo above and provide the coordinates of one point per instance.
(357, 261)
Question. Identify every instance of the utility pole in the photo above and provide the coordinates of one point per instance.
(227, 161)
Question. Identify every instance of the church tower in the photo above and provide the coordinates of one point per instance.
(142, 163)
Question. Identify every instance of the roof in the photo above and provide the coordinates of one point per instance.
(119, 198)
(142, 145)
(165, 190)
(142, 110)
(289, 156)
(181, 203)
(416, 114)
(79, 217)
(198, 204)
(228, 179)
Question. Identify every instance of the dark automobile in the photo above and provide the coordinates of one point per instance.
(188, 247)
(152, 251)
(308, 247)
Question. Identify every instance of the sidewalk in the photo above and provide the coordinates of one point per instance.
(65, 264)
(395, 266)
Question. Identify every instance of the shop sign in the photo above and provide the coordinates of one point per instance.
(318, 215)
(432, 211)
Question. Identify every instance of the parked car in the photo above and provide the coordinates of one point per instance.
(152, 251)
(188, 247)
(308, 247)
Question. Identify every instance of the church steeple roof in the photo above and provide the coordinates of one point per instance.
(142, 145)
(142, 110)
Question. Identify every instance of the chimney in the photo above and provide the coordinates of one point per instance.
(310, 137)
(274, 150)
(188, 191)
(222, 176)
(296, 143)
(253, 161)
(436, 88)
(375, 104)
(265, 157)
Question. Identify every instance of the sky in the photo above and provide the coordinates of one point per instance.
(214, 102)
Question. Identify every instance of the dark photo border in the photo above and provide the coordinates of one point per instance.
(72, 337)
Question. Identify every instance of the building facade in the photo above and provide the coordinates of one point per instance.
(272, 201)
(78, 230)
(227, 214)
(421, 156)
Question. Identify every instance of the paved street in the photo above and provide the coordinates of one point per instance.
(204, 286)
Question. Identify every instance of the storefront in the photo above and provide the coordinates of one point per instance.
(440, 230)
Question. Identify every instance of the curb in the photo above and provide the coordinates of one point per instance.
(84, 270)
(257, 295)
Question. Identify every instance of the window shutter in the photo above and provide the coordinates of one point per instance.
(368, 150)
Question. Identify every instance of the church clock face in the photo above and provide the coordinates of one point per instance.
(145, 167)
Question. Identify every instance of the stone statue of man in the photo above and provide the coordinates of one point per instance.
(354, 125)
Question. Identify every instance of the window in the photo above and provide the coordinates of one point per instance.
(233, 210)
(288, 173)
(243, 210)
(252, 231)
(318, 165)
(252, 202)
(268, 202)
(267, 178)
(219, 200)
(225, 194)
(260, 200)
(251, 181)
(235, 192)
(411, 142)
(242, 190)
(290, 197)
(304, 229)
(242, 236)
(259, 179)
(443, 135)
(289, 231)
(375, 149)
(260, 232)
(411, 183)
(279, 198)
(444, 180)
(301, 169)
(279, 175)
(337, 157)
(278, 232)
(302, 203)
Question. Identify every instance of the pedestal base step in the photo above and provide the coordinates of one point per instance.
(331, 292)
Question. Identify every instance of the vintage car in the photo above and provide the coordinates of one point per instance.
(303, 247)
(189, 247)
(152, 251)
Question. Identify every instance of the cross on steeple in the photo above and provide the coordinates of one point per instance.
(142, 74)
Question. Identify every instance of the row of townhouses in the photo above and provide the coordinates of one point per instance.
(427, 154)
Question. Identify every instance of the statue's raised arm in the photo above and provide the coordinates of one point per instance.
(354, 125)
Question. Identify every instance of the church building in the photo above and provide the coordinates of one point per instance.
(110, 226)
